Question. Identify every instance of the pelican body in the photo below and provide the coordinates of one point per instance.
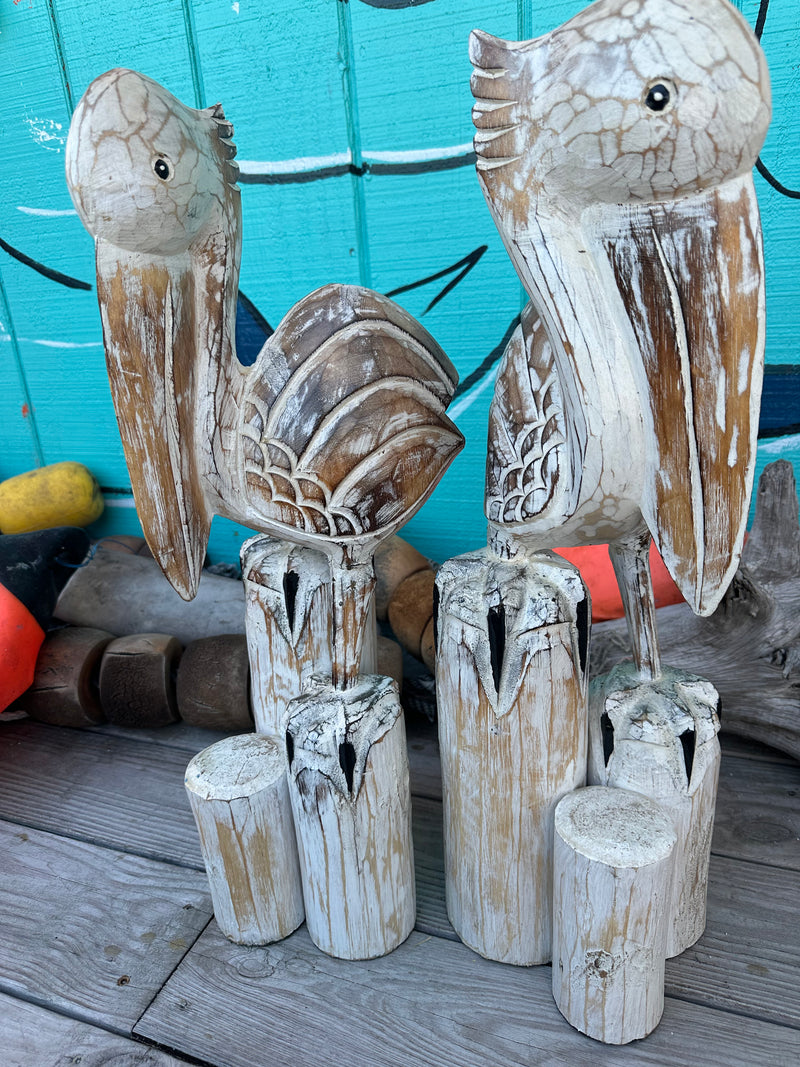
(333, 438)
(615, 154)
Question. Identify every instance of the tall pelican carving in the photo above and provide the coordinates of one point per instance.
(615, 154)
(333, 438)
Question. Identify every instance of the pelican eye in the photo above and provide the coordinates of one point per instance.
(162, 169)
(658, 96)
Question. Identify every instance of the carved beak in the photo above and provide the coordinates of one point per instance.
(690, 275)
(147, 304)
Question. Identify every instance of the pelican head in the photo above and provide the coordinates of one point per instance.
(154, 182)
(631, 100)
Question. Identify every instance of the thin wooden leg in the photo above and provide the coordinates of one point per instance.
(631, 560)
(352, 588)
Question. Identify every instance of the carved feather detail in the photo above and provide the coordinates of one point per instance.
(342, 449)
(527, 429)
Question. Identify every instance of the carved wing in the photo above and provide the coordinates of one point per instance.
(526, 461)
(344, 429)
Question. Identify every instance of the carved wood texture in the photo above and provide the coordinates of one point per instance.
(615, 155)
(334, 437)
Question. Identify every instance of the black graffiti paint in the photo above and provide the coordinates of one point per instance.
(464, 266)
(395, 5)
(761, 167)
(300, 177)
(40, 268)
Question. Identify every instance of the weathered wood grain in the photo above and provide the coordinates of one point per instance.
(99, 788)
(612, 878)
(746, 961)
(661, 737)
(431, 1003)
(239, 797)
(350, 795)
(511, 684)
(31, 1036)
(91, 932)
(179, 735)
(757, 815)
(139, 775)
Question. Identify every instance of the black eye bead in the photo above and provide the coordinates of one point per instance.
(658, 96)
(161, 168)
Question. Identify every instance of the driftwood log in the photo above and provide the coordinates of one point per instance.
(239, 797)
(750, 647)
(511, 688)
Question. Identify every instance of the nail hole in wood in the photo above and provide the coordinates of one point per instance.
(607, 733)
(688, 741)
(289, 747)
(291, 581)
(496, 623)
(347, 761)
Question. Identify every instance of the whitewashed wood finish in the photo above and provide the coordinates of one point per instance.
(512, 736)
(613, 872)
(628, 399)
(351, 799)
(240, 801)
(285, 650)
(289, 634)
(664, 745)
(750, 647)
(333, 438)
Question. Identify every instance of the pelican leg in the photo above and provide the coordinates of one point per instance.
(352, 588)
(632, 568)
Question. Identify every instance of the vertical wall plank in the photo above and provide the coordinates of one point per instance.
(58, 337)
(412, 71)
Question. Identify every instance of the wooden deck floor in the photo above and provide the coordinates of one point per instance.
(109, 953)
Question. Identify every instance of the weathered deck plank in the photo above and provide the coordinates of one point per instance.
(64, 781)
(429, 1004)
(31, 1036)
(100, 788)
(747, 959)
(90, 932)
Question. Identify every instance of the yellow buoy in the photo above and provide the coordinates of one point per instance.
(61, 494)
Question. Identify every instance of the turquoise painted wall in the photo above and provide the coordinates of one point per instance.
(337, 107)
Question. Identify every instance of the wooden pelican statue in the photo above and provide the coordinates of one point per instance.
(615, 154)
(333, 438)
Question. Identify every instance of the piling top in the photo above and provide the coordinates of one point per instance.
(237, 767)
(615, 827)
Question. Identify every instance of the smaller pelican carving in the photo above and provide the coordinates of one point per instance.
(615, 154)
(333, 438)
